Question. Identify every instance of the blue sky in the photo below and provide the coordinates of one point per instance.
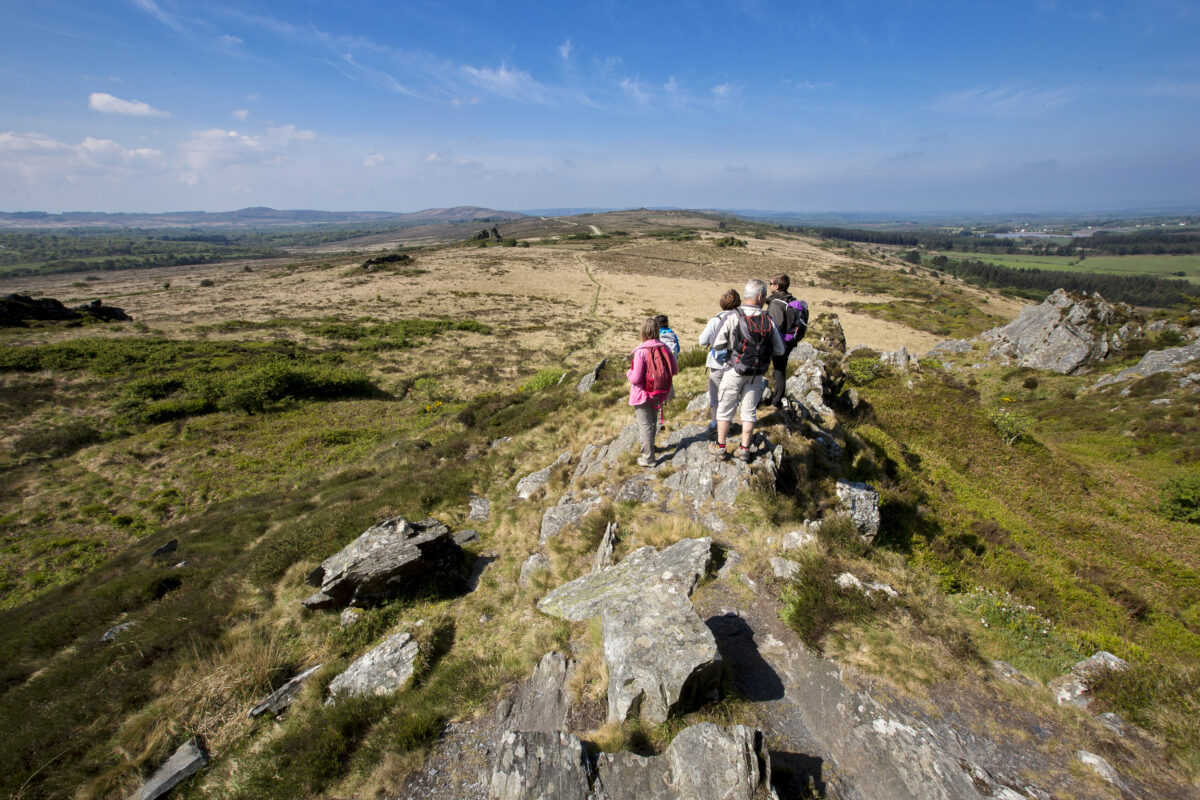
(153, 105)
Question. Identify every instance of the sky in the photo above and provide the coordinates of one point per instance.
(903, 106)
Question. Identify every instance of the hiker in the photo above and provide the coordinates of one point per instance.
(751, 339)
(791, 320)
(718, 360)
(649, 376)
(666, 335)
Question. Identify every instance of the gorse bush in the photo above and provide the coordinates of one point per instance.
(1012, 425)
(1181, 500)
(277, 381)
(549, 376)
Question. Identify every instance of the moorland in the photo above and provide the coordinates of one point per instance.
(267, 406)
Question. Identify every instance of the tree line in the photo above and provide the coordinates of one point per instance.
(1138, 290)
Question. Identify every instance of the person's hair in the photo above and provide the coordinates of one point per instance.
(782, 282)
(730, 300)
(754, 288)
(649, 329)
(661, 319)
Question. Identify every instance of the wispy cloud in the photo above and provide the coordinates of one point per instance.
(564, 51)
(375, 160)
(1184, 90)
(348, 66)
(105, 103)
(1007, 101)
(633, 89)
(152, 8)
(241, 114)
(36, 156)
(229, 40)
(217, 147)
(723, 91)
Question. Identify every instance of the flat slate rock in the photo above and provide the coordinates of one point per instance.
(596, 459)
(542, 702)
(536, 480)
(661, 658)
(385, 669)
(282, 697)
(540, 765)
(382, 561)
(1156, 361)
(699, 478)
(674, 569)
(555, 518)
(190, 758)
(479, 508)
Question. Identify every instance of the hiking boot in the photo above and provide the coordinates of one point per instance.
(716, 449)
(646, 462)
(744, 454)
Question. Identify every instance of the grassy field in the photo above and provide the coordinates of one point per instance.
(1166, 266)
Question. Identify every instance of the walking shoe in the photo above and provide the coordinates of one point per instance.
(716, 449)
(645, 462)
(744, 454)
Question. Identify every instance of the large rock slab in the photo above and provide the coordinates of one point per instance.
(542, 702)
(704, 762)
(660, 656)
(645, 571)
(596, 459)
(540, 765)
(861, 502)
(1171, 360)
(588, 380)
(383, 670)
(190, 758)
(568, 512)
(536, 480)
(381, 562)
(282, 697)
(698, 478)
(1062, 334)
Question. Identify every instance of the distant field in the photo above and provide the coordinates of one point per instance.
(1167, 266)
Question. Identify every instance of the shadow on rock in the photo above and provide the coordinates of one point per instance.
(796, 776)
(753, 677)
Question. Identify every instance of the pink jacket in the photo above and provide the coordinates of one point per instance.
(637, 373)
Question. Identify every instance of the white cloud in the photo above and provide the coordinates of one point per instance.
(633, 89)
(512, 84)
(217, 147)
(564, 51)
(151, 8)
(1006, 101)
(241, 114)
(434, 158)
(374, 160)
(36, 156)
(230, 40)
(723, 91)
(107, 104)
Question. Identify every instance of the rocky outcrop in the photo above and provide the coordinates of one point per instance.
(646, 571)
(480, 508)
(542, 702)
(825, 333)
(861, 503)
(16, 309)
(596, 459)
(588, 380)
(190, 758)
(1171, 360)
(901, 359)
(808, 387)
(383, 562)
(804, 352)
(540, 765)
(604, 553)
(1074, 688)
(536, 480)
(569, 511)
(383, 670)
(661, 658)
(698, 480)
(282, 697)
(1063, 334)
(537, 562)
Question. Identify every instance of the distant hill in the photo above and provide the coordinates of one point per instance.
(255, 217)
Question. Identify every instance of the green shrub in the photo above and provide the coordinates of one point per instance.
(729, 241)
(1011, 424)
(1162, 698)
(1181, 500)
(58, 440)
(864, 367)
(549, 376)
(813, 603)
(277, 381)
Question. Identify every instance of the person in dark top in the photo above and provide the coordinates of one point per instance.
(777, 302)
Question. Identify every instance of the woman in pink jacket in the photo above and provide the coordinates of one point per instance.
(649, 386)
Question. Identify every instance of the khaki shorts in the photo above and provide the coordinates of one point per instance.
(747, 389)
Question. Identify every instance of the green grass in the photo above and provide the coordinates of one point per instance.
(1165, 266)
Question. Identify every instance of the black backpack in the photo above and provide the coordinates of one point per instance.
(751, 345)
(795, 320)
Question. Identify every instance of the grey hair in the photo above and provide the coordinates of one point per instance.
(754, 288)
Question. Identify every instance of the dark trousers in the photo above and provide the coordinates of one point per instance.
(779, 368)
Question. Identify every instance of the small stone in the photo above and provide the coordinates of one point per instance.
(784, 568)
(1114, 723)
(166, 549)
(282, 697)
(349, 617)
(480, 508)
(465, 537)
(732, 559)
(799, 540)
(190, 758)
(383, 670)
(849, 581)
(536, 480)
(537, 562)
(112, 633)
(1102, 768)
